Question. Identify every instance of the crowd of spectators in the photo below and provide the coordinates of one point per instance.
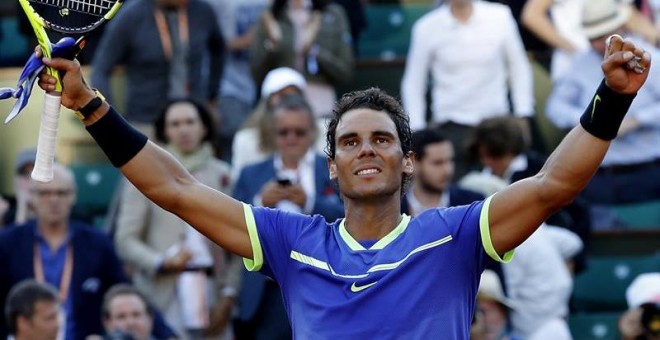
(239, 93)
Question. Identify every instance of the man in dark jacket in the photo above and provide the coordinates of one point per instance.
(78, 261)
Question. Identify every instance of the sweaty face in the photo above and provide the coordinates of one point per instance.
(369, 162)
(44, 323)
(436, 170)
(128, 314)
(294, 133)
(53, 200)
(184, 128)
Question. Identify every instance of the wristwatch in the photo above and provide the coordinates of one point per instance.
(85, 111)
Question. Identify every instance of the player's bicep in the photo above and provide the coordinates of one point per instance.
(162, 179)
(515, 213)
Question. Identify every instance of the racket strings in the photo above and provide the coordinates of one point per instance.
(93, 7)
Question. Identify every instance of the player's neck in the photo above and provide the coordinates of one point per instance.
(372, 220)
(428, 199)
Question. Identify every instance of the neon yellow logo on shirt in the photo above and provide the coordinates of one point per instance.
(356, 289)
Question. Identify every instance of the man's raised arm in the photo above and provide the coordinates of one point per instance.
(157, 174)
(516, 212)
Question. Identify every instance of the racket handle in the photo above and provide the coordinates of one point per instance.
(43, 166)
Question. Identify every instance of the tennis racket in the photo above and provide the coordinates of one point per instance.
(69, 17)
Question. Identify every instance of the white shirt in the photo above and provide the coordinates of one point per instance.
(245, 151)
(416, 206)
(538, 283)
(566, 16)
(473, 66)
(303, 175)
(571, 95)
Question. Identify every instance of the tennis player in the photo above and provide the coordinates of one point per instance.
(376, 274)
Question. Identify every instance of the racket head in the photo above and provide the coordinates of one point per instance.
(72, 17)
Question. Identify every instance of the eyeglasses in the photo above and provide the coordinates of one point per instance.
(61, 193)
(299, 132)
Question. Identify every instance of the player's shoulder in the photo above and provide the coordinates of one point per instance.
(281, 217)
(450, 216)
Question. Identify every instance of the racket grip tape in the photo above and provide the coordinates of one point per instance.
(43, 166)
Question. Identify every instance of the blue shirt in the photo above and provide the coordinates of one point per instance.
(575, 90)
(418, 282)
(53, 266)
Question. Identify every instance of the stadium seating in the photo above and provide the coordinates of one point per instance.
(639, 215)
(388, 34)
(600, 326)
(602, 286)
(96, 186)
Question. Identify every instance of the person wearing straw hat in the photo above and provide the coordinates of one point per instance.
(631, 166)
(495, 307)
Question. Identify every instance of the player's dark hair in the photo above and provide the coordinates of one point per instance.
(422, 138)
(499, 135)
(374, 99)
(23, 298)
(202, 112)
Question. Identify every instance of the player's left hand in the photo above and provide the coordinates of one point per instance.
(619, 55)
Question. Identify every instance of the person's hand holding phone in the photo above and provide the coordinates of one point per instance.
(272, 193)
(296, 194)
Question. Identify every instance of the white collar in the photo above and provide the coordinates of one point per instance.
(416, 207)
(307, 159)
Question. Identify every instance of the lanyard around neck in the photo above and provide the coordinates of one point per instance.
(65, 281)
(164, 32)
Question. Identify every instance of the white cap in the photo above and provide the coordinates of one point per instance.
(490, 287)
(644, 288)
(603, 17)
(280, 78)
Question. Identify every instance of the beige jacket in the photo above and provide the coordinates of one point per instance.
(145, 232)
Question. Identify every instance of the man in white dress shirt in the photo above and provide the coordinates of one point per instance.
(466, 87)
